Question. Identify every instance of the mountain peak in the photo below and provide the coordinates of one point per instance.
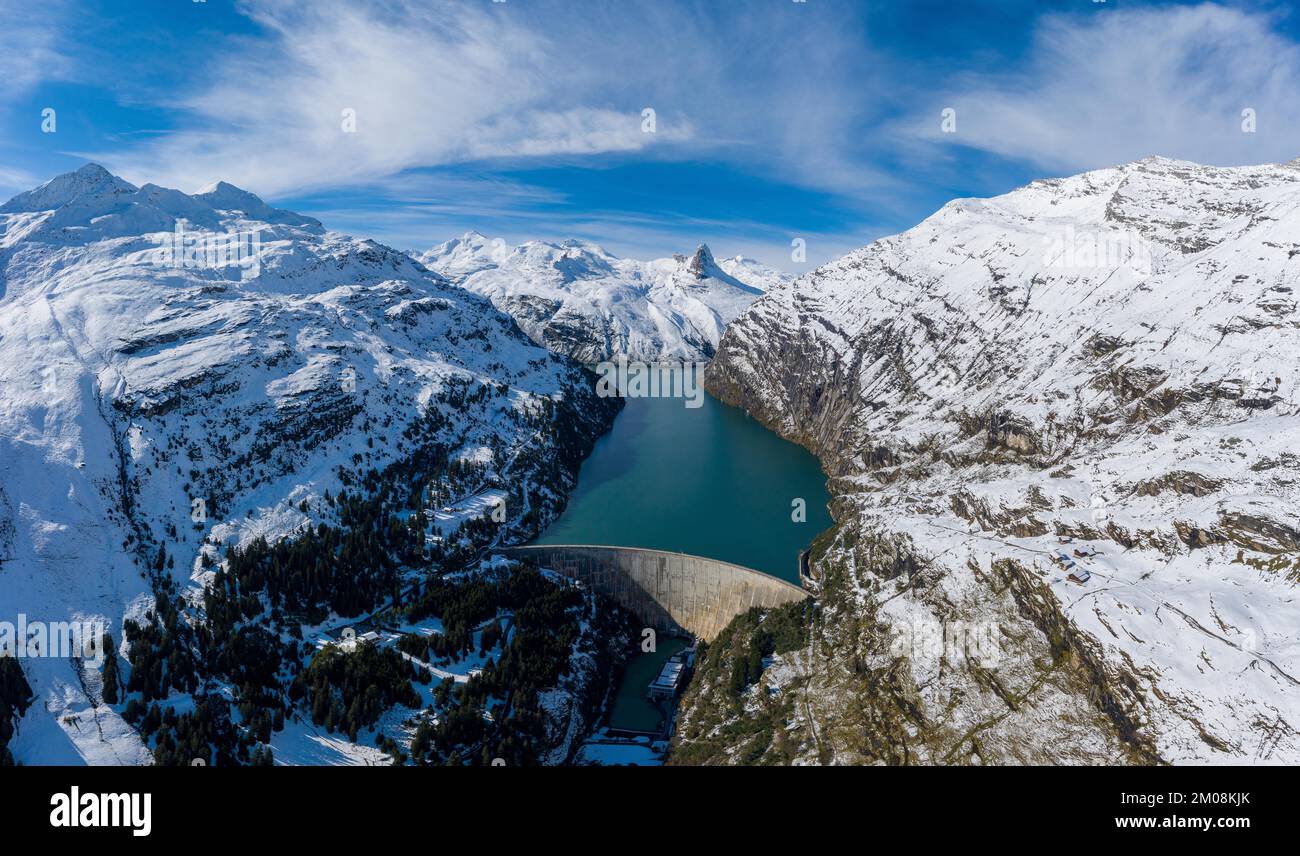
(702, 264)
(221, 188)
(225, 196)
(1163, 162)
(92, 170)
(99, 203)
(90, 181)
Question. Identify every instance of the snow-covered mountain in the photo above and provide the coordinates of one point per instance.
(181, 373)
(1109, 358)
(578, 299)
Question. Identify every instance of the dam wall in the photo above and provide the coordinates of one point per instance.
(671, 592)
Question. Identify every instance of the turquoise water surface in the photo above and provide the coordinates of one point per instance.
(709, 481)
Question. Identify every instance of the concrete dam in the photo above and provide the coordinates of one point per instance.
(671, 592)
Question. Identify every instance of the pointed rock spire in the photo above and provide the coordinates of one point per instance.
(702, 263)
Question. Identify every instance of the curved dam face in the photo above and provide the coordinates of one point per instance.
(671, 592)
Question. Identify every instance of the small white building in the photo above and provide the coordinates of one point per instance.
(669, 682)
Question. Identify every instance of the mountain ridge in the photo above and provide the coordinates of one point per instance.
(161, 410)
(1107, 359)
(577, 298)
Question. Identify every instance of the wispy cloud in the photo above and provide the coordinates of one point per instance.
(781, 90)
(781, 86)
(29, 45)
(470, 113)
(30, 54)
(418, 211)
(14, 181)
(1126, 83)
(427, 84)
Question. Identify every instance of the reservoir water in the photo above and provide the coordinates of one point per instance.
(708, 480)
(631, 710)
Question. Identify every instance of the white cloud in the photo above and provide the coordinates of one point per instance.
(1126, 83)
(29, 55)
(15, 181)
(429, 84)
(785, 91)
(29, 41)
(792, 94)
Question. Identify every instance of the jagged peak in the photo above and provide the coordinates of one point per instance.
(702, 265)
(477, 243)
(473, 241)
(91, 191)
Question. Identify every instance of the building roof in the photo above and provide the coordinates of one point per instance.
(669, 676)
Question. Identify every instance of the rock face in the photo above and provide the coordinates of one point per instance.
(580, 300)
(7, 527)
(183, 373)
(1109, 358)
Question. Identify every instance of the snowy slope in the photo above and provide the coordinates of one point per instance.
(578, 299)
(1111, 356)
(147, 404)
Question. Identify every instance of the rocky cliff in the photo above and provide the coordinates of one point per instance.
(1059, 427)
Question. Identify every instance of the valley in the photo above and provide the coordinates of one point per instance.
(1060, 480)
(706, 481)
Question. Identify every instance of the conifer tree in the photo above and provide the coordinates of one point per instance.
(110, 670)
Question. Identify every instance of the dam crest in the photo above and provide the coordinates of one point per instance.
(671, 592)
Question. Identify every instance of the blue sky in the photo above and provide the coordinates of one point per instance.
(773, 120)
